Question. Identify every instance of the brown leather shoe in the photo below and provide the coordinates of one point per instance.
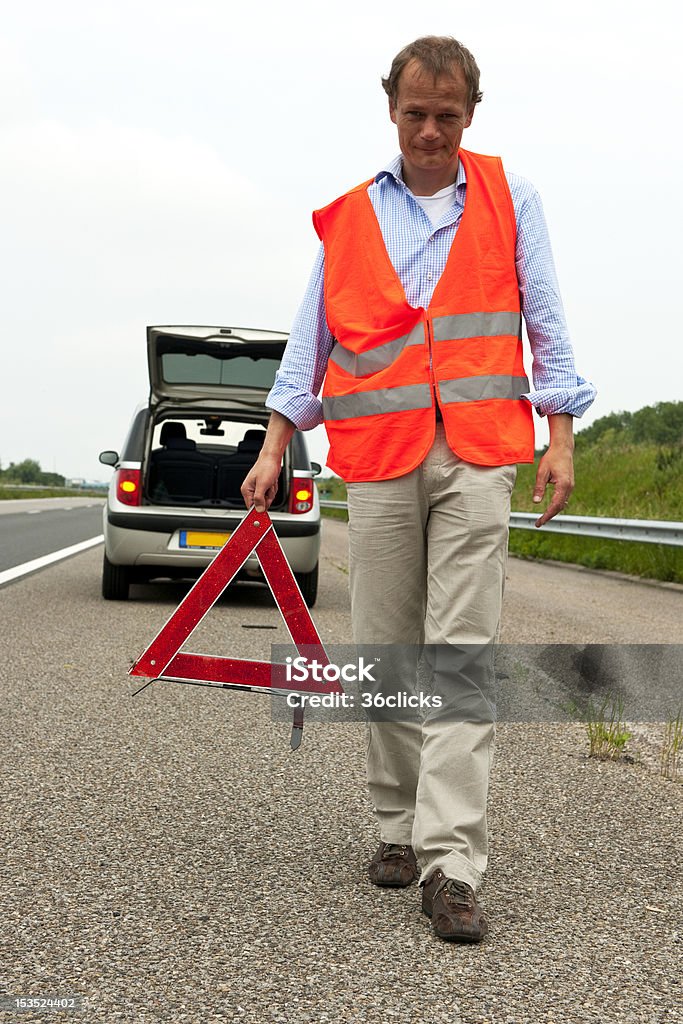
(393, 866)
(453, 908)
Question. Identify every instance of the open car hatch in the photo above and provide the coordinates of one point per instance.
(232, 364)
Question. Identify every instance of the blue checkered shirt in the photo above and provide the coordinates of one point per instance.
(418, 251)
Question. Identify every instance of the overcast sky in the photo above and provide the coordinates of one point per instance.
(159, 163)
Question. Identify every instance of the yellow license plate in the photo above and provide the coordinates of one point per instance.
(202, 539)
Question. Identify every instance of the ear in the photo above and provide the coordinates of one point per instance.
(392, 110)
(470, 115)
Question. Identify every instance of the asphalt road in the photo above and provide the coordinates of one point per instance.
(33, 527)
(167, 857)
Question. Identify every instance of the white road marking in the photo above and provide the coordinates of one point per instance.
(34, 512)
(7, 575)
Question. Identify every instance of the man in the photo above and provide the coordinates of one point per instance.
(413, 316)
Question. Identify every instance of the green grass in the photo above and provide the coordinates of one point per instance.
(8, 493)
(607, 734)
(613, 479)
(335, 513)
(651, 561)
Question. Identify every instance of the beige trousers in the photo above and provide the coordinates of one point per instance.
(427, 565)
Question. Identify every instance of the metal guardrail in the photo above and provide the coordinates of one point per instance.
(650, 531)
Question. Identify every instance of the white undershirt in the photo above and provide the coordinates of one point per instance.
(435, 206)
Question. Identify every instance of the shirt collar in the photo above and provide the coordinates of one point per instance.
(395, 170)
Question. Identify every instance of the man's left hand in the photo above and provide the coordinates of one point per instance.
(556, 468)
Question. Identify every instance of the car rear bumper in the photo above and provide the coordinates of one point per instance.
(155, 523)
(137, 539)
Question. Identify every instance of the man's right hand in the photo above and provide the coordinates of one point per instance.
(260, 484)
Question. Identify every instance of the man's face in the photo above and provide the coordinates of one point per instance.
(431, 117)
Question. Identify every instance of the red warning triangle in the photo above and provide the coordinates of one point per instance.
(163, 660)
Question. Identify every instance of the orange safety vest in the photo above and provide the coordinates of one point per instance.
(392, 361)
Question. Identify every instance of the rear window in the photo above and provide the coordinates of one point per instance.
(227, 365)
(224, 436)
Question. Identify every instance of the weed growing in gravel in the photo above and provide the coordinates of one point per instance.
(672, 748)
(607, 734)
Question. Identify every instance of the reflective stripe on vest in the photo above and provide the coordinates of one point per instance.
(476, 325)
(418, 396)
(373, 403)
(378, 358)
(476, 389)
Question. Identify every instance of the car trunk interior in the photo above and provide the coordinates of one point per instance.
(201, 460)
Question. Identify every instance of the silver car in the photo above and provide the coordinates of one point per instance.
(175, 495)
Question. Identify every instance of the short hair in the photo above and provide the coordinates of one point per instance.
(435, 54)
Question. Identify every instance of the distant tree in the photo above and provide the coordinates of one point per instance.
(29, 472)
(26, 472)
(660, 424)
(52, 479)
(616, 424)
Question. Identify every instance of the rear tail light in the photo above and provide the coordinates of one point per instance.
(128, 486)
(301, 495)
